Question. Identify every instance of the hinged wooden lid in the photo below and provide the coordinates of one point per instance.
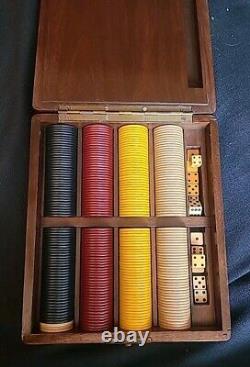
(124, 55)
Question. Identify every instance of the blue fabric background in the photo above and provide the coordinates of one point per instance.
(230, 20)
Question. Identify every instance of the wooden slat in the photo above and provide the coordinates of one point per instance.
(155, 336)
(130, 222)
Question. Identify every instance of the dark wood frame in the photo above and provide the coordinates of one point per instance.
(211, 322)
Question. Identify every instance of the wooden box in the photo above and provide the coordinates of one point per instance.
(142, 61)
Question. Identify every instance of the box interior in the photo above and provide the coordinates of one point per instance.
(209, 321)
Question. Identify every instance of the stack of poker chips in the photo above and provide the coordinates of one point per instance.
(135, 279)
(97, 177)
(171, 243)
(58, 252)
(135, 302)
(133, 171)
(96, 307)
(96, 279)
(58, 280)
(173, 278)
(60, 170)
(170, 181)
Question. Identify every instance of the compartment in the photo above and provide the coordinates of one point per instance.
(210, 321)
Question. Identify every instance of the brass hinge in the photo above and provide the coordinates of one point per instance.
(128, 117)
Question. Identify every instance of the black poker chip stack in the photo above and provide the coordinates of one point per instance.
(60, 170)
(58, 280)
(58, 253)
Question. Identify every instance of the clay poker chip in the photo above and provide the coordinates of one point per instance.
(170, 182)
(96, 279)
(135, 303)
(96, 255)
(135, 279)
(58, 249)
(173, 278)
(171, 243)
(97, 176)
(133, 171)
(60, 170)
(58, 279)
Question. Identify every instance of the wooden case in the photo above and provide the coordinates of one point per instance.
(119, 62)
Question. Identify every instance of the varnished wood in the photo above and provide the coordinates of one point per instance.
(124, 55)
(220, 265)
(78, 230)
(130, 55)
(155, 336)
(202, 132)
(127, 222)
(116, 230)
(153, 232)
(32, 224)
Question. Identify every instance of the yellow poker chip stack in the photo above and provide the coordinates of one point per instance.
(133, 171)
(135, 250)
(135, 279)
(171, 243)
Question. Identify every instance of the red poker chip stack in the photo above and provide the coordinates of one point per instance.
(96, 311)
(97, 185)
(96, 278)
